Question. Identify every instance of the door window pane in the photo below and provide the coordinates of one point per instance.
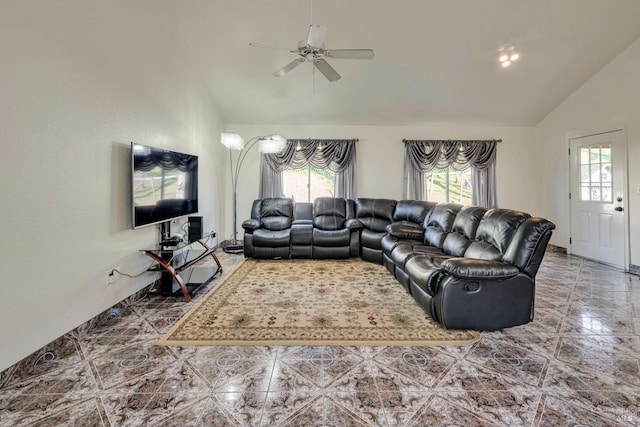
(594, 164)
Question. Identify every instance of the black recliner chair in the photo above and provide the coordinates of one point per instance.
(268, 233)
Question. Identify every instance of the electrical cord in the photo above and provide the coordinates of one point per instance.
(115, 270)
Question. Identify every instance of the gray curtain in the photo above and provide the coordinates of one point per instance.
(421, 156)
(270, 181)
(338, 155)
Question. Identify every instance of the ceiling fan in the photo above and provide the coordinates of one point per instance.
(313, 50)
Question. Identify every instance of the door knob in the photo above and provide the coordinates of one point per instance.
(619, 209)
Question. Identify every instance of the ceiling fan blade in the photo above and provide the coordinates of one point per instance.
(326, 69)
(266, 46)
(290, 66)
(349, 53)
(316, 36)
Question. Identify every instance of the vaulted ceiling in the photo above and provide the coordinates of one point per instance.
(435, 60)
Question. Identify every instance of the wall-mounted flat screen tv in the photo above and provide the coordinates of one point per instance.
(164, 184)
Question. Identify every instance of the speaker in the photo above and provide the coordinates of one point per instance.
(195, 228)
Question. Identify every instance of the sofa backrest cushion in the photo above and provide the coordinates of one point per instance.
(527, 247)
(256, 208)
(438, 223)
(276, 213)
(303, 211)
(463, 230)
(495, 231)
(329, 213)
(412, 211)
(375, 214)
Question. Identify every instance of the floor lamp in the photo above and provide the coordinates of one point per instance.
(233, 141)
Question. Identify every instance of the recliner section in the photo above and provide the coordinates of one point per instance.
(268, 232)
(375, 215)
(334, 231)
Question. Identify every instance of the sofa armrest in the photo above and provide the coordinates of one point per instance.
(251, 225)
(353, 224)
(406, 230)
(472, 268)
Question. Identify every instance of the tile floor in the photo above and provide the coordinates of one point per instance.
(577, 364)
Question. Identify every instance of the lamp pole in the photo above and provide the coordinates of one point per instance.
(235, 246)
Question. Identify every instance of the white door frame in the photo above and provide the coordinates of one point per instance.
(625, 186)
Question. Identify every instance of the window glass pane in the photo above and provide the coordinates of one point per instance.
(460, 184)
(595, 173)
(595, 154)
(322, 183)
(294, 184)
(307, 184)
(595, 193)
(584, 155)
(585, 195)
(449, 186)
(436, 185)
(606, 153)
(605, 170)
(584, 173)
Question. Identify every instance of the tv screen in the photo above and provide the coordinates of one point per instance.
(164, 184)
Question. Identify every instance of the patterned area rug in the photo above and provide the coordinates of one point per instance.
(310, 302)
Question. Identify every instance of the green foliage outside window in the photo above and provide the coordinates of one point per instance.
(449, 186)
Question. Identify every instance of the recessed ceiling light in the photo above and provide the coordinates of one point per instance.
(507, 55)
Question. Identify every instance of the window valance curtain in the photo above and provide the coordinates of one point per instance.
(422, 156)
(337, 155)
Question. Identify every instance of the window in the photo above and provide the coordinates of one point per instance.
(307, 183)
(594, 163)
(449, 186)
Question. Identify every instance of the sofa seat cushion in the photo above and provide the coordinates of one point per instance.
(429, 251)
(331, 238)
(271, 238)
(388, 243)
(401, 253)
(424, 271)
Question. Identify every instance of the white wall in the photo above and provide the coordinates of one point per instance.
(68, 115)
(609, 100)
(380, 160)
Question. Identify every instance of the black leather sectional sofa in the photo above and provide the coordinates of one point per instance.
(468, 267)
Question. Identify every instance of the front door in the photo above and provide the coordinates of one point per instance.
(598, 197)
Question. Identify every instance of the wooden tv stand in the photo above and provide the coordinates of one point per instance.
(175, 264)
